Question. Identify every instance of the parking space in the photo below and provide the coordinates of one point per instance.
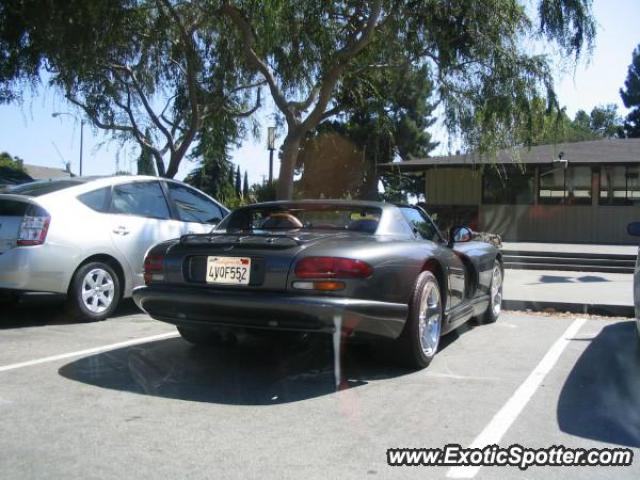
(126, 397)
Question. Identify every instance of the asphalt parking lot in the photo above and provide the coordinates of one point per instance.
(126, 398)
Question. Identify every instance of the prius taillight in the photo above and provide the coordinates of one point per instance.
(332, 267)
(153, 268)
(34, 227)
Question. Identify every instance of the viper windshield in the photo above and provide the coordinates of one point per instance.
(315, 217)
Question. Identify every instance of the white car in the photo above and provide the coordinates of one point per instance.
(86, 238)
(634, 229)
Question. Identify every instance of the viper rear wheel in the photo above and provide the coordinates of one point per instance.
(419, 341)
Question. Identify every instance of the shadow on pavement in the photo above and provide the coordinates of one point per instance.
(554, 279)
(600, 399)
(47, 311)
(253, 372)
(592, 279)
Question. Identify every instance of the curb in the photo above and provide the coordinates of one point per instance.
(590, 309)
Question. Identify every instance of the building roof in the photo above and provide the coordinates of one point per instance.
(44, 173)
(618, 150)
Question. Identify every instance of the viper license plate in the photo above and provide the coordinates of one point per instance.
(228, 270)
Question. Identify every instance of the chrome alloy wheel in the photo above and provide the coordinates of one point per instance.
(98, 290)
(496, 291)
(430, 319)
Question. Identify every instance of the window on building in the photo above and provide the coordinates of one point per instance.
(508, 185)
(578, 186)
(565, 185)
(620, 185)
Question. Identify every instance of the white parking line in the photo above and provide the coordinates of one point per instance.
(88, 351)
(505, 417)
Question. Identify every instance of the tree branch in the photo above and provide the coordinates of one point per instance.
(354, 46)
(248, 42)
(95, 119)
(246, 87)
(331, 112)
(192, 89)
(247, 113)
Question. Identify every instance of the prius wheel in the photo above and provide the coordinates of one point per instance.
(94, 293)
(495, 296)
(207, 336)
(420, 338)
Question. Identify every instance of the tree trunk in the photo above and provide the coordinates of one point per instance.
(290, 151)
(174, 163)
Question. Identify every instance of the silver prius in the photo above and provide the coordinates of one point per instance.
(86, 238)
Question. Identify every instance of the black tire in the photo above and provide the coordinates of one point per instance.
(492, 313)
(207, 336)
(408, 347)
(81, 309)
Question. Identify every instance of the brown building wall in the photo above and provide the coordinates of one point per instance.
(452, 186)
(560, 223)
(449, 187)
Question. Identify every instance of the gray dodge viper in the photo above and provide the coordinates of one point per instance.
(367, 269)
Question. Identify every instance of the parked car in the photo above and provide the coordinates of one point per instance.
(634, 230)
(86, 238)
(372, 269)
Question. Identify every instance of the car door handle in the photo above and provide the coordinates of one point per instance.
(121, 231)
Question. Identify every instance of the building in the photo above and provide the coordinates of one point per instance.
(29, 173)
(45, 173)
(584, 192)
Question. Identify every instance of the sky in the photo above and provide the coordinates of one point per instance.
(30, 132)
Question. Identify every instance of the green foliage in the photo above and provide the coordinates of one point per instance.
(13, 163)
(630, 95)
(549, 126)
(263, 192)
(212, 178)
(485, 81)
(238, 183)
(132, 66)
(605, 122)
(118, 60)
(245, 186)
(215, 173)
(387, 114)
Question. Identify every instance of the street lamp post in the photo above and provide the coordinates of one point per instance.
(57, 114)
(271, 145)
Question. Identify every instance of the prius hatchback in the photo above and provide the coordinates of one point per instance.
(86, 237)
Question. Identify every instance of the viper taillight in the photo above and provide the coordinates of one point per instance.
(34, 227)
(332, 267)
(153, 268)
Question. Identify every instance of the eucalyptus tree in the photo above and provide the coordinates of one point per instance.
(483, 75)
(185, 69)
(132, 66)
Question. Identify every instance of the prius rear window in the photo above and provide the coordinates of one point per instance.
(36, 189)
